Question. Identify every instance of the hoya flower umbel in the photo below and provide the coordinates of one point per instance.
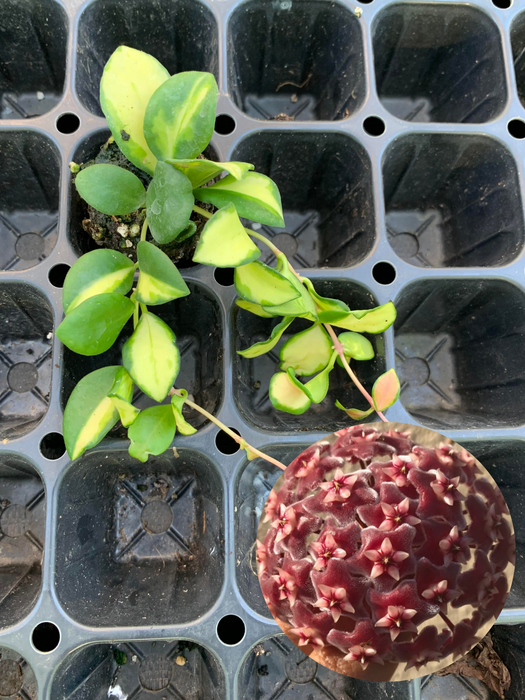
(383, 558)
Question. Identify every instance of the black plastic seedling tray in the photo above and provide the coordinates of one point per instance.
(393, 131)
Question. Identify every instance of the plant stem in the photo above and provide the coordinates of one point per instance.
(449, 622)
(238, 439)
(340, 351)
(144, 308)
(135, 313)
(202, 212)
(144, 229)
(270, 245)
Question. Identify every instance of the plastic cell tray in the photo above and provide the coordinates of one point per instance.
(392, 130)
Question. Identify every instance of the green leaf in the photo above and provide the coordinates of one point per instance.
(255, 197)
(266, 345)
(255, 309)
(385, 391)
(303, 306)
(98, 272)
(129, 79)
(317, 388)
(120, 391)
(199, 171)
(110, 189)
(356, 346)
(328, 310)
(354, 413)
(307, 352)
(152, 357)
(286, 396)
(169, 201)
(260, 284)
(90, 413)
(93, 326)
(249, 454)
(180, 115)
(224, 241)
(159, 279)
(189, 231)
(152, 432)
(177, 402)
(370, 320)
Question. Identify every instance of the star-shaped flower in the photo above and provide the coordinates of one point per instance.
(440, 594)
(307, 635)
(286, 585)
(270, 507)
(401, 464)
(261, 555)
(325, 550)
(447, 488)
(285, 522)
(396, 514)
(385, 560)
(455, 547)
(333, 600)
(308, 465)
(340, 488)
(398, 619)
(362, 653)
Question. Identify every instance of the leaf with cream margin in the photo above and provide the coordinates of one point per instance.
(151, 356)
(93, 326)
(118, 395)
(97, 272)
(328, 310)
(303, 306)
(129, 80)
(266, 345)
(385, 391)
(255, 197)
(224, 241)
(356, 347)
(354, 413)
(152, 432)
(180, 116)
(159, 279)
(307, 352)
(255, 309)
(199, 171)
(286, 396)
(90, 414)
(261, 284)
(177, 402)
(370, 320)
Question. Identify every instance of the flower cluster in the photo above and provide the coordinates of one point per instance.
(375, 542)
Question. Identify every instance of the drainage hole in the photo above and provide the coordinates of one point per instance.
(231, 630)
(502, 4)
(45, 637)
(384, 273)
(57, 274)
(224, 276)
(68, 123)
(224, 124)
(52, 446)
(225, 443)
(516, 128)
(374, 126)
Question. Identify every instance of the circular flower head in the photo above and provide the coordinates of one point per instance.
(384, 557)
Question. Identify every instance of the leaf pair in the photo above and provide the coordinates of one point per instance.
(153, 431)
(93, 296)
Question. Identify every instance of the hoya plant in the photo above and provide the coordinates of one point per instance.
(162, 125)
